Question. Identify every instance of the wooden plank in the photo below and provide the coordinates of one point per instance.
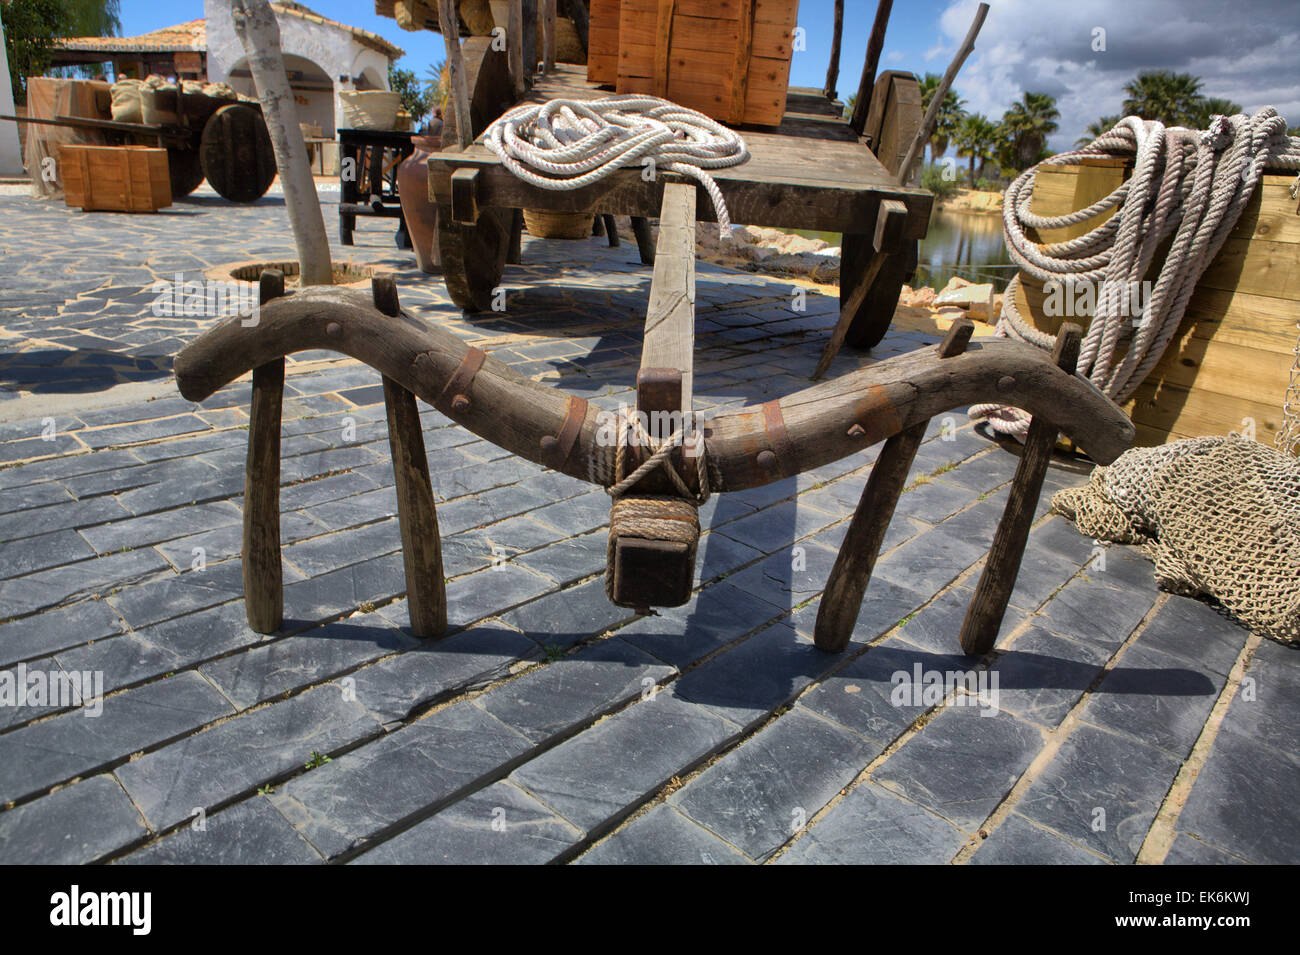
(515, 47)
(464, 196)
(548, 35)
(602, 47)
(741, 66)
(979, 631)
(669, 340)
(833, 67)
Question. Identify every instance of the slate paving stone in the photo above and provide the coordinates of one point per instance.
(31, 554)
(54, 517)
(595, 777)
(226, 543)
(570, 560)
(357, 509)
(248, 833)
(758, 795)
(500, 825)
(174, 595)
(872, 826)
(236, 756)
(719, 555)
(32, 495)
(565, 617)
(1197, 632)
(1267, 705)
(491, 592)
(1156, 698)
(142, 431)
(123, 660)
(937, 627)
(67, 466)
(311, 657)
(1019, 842)
(1091, 611)
(749, 681)
(393, 689)
(1243, 799)
(1096, 770)
(576, 516)
(342, 804)
(55, 586)
(550, 699)
(714, 617)
(934, 501)
(1188, 850)
(153, 528)
(329, 552)
(1042, 676)
(55, 630)
(861, 696)
(962, 763)
(662, 836)
(75, 825)
(929, 561)
(985, 472)
(77, 742)
(777, 527)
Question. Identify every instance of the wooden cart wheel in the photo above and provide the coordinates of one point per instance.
(474, 257)
(236, 153)
(872, 321)
(185, 170)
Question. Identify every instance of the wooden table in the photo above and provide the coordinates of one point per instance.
(368, 182)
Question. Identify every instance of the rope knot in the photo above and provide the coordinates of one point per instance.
(631, 432)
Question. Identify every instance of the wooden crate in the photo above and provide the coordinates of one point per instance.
(729, 59)
(1229, 363)
(115, 178)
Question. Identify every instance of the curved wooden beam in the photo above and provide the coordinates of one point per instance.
(747, 448)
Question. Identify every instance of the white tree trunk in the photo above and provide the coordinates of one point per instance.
(258, 31)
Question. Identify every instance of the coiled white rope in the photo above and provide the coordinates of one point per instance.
(568, 144)
(1189, 184)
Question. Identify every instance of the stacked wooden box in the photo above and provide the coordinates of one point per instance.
(1228, 365)
(729, 59)
(115, 178)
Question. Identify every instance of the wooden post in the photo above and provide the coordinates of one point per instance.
(868, 79)
(979, 631)
(515, 255)
(644, 243)
(847, 584)
(891, 219)
(263, 574)
(531, 52)
(611, 230)
(581, 22)
(548, 35)
(447, 21)
(644, 571)
(417, 517)
(833, 70)
(515, 48)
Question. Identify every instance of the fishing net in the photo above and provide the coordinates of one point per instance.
(1220, 517)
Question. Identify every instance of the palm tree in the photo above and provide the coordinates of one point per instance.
(1093, 130)
(1207, 109)
(977, 137)
(1171, 98)
(1030, 122)
(949, 117)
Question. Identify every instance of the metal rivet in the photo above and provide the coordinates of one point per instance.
(857, 431)
(1006, 383)
(767, 460)
(333, 329)
(549, 444)
(460, 403)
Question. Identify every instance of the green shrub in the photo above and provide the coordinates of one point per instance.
(932, 178)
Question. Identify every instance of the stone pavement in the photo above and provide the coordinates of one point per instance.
(551, 726)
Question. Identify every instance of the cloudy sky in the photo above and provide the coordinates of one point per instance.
(1244, 50)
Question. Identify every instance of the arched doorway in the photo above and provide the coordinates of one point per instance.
(313, 89)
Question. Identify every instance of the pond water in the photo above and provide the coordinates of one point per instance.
(965, 244)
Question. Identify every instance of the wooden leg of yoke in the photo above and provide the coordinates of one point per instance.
(611, 230)
(847, 584)
(645, 570)
(263, 575)
(979, 631)
(417, 517)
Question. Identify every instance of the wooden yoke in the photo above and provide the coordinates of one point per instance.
(653, 529)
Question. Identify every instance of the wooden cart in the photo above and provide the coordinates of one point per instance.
(817, 171)
(228, 145)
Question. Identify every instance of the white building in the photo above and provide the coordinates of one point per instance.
(322, 56)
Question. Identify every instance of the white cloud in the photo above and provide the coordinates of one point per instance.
(1245, 52)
